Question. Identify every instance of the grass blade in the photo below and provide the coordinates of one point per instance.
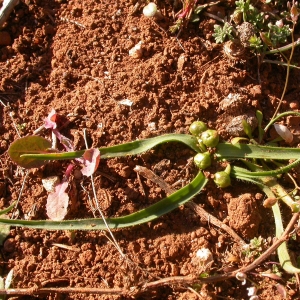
(229, 151)
(145, 215)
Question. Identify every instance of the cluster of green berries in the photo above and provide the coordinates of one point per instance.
(208, 138)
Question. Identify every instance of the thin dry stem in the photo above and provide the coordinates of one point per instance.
(204, 215)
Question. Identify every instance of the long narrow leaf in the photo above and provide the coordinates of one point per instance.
(145, 215)
(130, 148)
(275, 172)
(229, 151)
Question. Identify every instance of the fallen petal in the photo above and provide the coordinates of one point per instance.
(91, 161)
(284, 132)
(57, 202)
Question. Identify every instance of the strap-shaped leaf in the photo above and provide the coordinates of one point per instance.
(150, 213)
(28, 156)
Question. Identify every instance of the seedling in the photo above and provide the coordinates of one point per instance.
(189, 13)
(222, 33)
(255, 247)
(248, 12)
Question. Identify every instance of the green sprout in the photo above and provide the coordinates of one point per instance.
(249, 13)
(255, 247)
(278, 34)
(221, 33)
(255, 43)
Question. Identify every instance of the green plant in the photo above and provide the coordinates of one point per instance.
(249, 12)
(255, 43)
(278, 33)
(255, 247)
(221, 33)
(34, 151)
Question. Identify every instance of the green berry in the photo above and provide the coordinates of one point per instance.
(210, 138)
(222, 179)
(197, 127)
(202, 160)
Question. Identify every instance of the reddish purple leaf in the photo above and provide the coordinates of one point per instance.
(57, 202)
(67, 143)
(50, 121)
(272, 276)
(91, 161)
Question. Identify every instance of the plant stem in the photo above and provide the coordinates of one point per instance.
(284, 48)
(287, 73)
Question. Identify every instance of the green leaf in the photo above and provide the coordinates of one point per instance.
(130, 148)
(4, 228)
(8, 209)
(148, 214)
(29, 144)
(237, 151)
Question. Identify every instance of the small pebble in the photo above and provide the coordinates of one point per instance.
(294, 105)
(50, 183)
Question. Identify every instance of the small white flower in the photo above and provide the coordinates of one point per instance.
(279, 23)
(204, 255)
(252, 291)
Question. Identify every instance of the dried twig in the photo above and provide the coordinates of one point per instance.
(176, 280)
(263, 257)
(204, 215)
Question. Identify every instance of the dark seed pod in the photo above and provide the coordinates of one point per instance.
(197, 128)
(202, 160)
(210, 138)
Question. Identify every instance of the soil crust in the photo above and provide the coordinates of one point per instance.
(73, 56)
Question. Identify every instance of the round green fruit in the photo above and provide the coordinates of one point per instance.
(210, 138)
(202, 160)
(222, 179)
(197, 127)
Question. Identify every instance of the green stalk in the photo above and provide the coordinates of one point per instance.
(270, 182)
(278, 171)
(272, 191)
(284, 48)
(282, 115)
(148, 214)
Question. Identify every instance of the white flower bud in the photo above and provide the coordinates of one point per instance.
(241, 277)
(284, 132)
(150, 10)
